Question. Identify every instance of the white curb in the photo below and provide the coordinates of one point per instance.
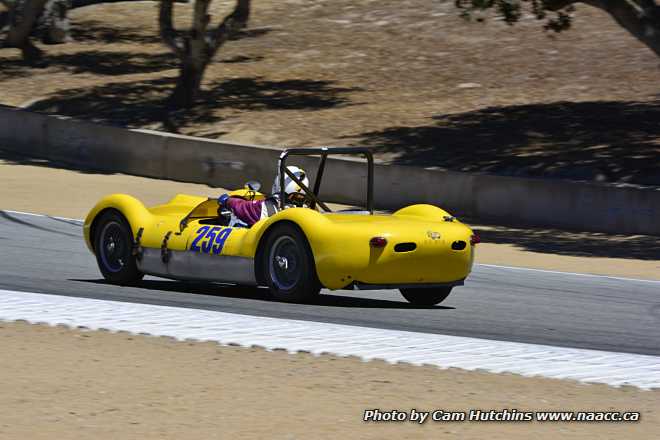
(444, 351)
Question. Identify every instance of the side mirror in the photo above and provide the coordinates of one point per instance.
(253, 185)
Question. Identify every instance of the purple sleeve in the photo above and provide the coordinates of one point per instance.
(247, 211)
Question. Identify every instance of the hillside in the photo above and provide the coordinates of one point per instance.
(410, 78)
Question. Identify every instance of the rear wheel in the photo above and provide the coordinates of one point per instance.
(113, 245)
(426, 297)
(289, 269)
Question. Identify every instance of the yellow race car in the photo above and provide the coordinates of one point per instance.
(420, 249)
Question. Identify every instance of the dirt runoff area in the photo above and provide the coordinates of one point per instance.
(36, 186)
(64, 384)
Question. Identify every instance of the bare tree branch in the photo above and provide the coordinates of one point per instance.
(201, 20)
(232, 23)
(242, 12)
(197, 47)
(167, 31)
(198, 44)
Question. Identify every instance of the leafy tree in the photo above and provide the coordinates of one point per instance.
(639, 17)
(196, 47)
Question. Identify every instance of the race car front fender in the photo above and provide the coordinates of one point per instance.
(135, 212)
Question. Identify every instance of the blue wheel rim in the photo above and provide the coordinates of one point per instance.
(285, 263)
(113, 247)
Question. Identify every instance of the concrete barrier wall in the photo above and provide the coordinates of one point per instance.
(581, 206)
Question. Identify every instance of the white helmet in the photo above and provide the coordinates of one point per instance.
(290, 187)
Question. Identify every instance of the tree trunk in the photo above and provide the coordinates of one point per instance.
(52, 25)
(193, 53)
(188, 85)
(20, 27)
(196, 49)
(639, 17)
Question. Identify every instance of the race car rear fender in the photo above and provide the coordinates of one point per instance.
(342, 254)
(423, 211)
(309, 222)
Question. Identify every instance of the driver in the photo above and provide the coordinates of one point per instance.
(251, 211)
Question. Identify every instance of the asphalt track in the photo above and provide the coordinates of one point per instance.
(47, 255)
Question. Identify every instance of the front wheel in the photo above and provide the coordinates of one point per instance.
(425, 297)
(289, 268)
(113, 245)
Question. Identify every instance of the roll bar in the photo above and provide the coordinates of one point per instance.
(324, 152)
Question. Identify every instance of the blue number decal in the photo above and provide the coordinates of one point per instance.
(208, 244)
(220, 241)
(201, 232)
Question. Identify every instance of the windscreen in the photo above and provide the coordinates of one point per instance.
(208, 208)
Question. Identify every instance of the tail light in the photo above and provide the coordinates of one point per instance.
(378, 242)
(475, 239)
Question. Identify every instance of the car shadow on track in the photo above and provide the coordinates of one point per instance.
(262, 294)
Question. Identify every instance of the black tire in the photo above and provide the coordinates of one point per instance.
(288, 265)
(426, 297)
(113, 246)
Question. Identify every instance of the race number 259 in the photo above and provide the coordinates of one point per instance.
(210, 240)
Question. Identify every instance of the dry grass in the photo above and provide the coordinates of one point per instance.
(409, 78)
